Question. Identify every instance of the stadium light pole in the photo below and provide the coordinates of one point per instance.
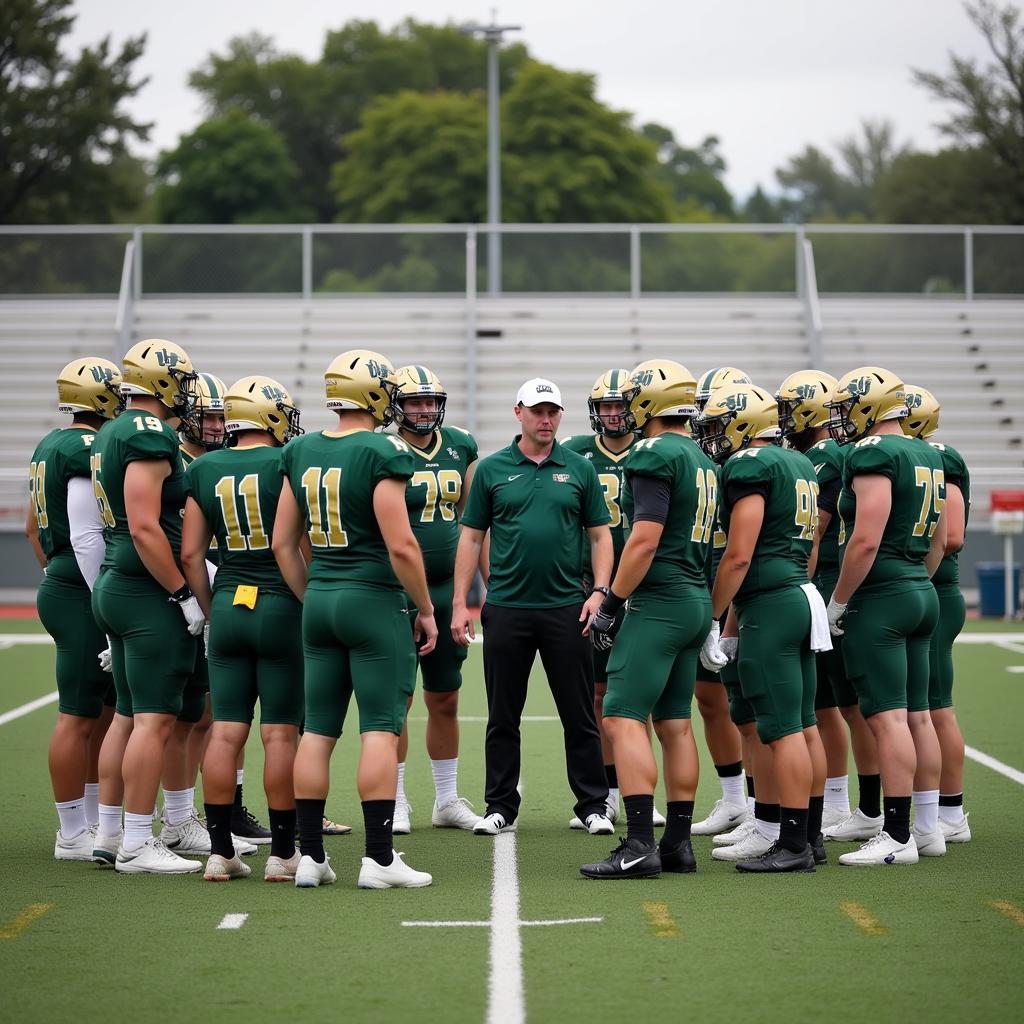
(493, 35)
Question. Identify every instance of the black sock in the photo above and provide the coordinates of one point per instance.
(766, 812)
(897, 817)
(282, 833)
(611, 776)
(238, 797)
(793, 832)
(640, 817)
(870, 795)
(218, 824)
(678, 818)
(310, 817)
(726, 771)
(951, 799)
(378, 816)
(750, 787)
(814, 808)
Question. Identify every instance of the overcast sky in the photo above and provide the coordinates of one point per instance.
(766, 76)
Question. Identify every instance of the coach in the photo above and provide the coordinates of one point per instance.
(536, 498)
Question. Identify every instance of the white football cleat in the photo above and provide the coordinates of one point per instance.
(737, 835)
(223, 869)
(724, 815)
(79, 848)
(752, 846)
(457, 813)
(856, 828)
(492, 824)
(400, 824)
(929, 844)
(882, 849)
(397, 875)
(188, 836)
(104, 848)
(657, 818)
(611, 811)
(309, 874)
(956, 831)
(153, 858)
(279, 869)
(832, 816)
(599, 825)
(574, 822)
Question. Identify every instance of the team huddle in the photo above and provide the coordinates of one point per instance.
(789, 558)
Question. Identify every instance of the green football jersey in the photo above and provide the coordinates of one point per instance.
(610, 472)
(827, 458)
(785, 479)
(918, 493)
(62, 454)
(956, 472)
(333, 477)
(237, 490)
(135, 436)
(187, 458)
(682, 555)
(433, 493)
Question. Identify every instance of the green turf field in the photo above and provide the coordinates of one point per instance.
(942, 941)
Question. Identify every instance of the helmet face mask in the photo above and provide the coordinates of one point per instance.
(209, 401)
(713, 436)
(418, 383)
(802, 402)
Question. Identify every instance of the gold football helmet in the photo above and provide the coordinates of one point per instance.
(362, 379)
(608, 387)
(923, 417)
(261, 403)
(862, 398)
(163, 370)
(90, 385)
(711, 380)
(802, 409)
(419, 382)
(209, 399)
(658, 387)
(734, 417)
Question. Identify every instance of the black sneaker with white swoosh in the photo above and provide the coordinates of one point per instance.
(630, 859)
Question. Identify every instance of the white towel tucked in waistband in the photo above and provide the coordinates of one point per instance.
(821, 637)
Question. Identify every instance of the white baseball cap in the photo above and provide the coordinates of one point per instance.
(538, 390)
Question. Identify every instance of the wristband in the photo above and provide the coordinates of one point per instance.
(183, 594)
(600, 590)
(611, 604)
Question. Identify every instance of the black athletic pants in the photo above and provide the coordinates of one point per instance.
(512, 639)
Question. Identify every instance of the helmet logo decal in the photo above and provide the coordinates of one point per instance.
(644, 378)
(378, 370)
(859, 387)
(913, 401)
(805, 390)
(101, 374)
(272, 394)
(165, 358)
(736, 403)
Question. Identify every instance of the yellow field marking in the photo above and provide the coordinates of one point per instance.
(863, 919)
(663, 923)
(1010, 910)
(24, 919)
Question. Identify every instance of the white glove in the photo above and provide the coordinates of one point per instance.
(835, 612)
(728, 646)
(711, 656)
(105, 660)
(194, 616)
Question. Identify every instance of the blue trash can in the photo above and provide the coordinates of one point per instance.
(991, 589)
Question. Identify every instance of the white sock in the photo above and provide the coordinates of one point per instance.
(138, 830)
(177, 805)
(446, 779)
(952, 815)
(239, 773)
(192, 801)
(92, 803)
(400, 792)
(72, 817)
(837, 792)
(769, 829)
(732, 788)
(110, 819)
(750, 805)
(926, 810)
(613, 798)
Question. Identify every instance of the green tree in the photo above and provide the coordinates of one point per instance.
(64, 130)
(232, 169)
(988, 102)
(693, 177)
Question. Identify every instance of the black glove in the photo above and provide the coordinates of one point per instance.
(603, 621)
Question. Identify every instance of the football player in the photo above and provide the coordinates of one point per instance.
(653, 663)
(435, 497)
(345, 491)
(255, 640)
(61, 511)
(141, 598)
(769, 513)
(893, 506)
(803, 420)
(922, 422)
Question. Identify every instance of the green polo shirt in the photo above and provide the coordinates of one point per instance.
(535, 514)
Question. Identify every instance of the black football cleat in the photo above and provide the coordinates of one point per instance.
(245, 826)
(678, 859)
(818, 849)
(630, 859)
(778, 859)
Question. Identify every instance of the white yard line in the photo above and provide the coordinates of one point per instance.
(505, 1002)
(997, 766)
(232, 922)
(25, 709)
